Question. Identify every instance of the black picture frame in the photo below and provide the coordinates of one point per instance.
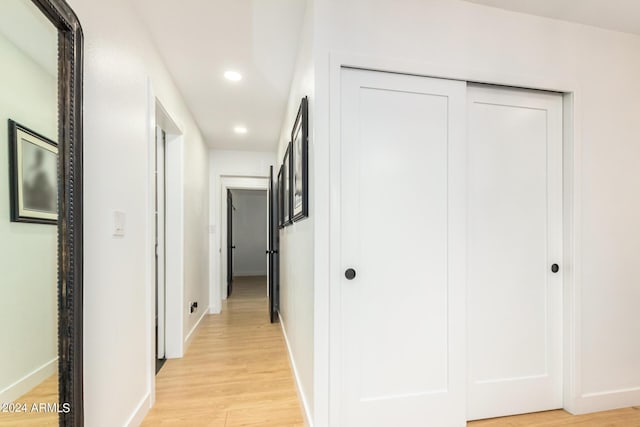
(286, 187)
(300, 163)
(21, 141)
(281, 197)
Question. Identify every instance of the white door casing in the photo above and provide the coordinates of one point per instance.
(160, 241)
(233, 183)
(402, 319)
(514, 318)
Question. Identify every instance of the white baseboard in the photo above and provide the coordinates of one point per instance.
(191, 334)
(305, 404)
(29, 381)
(606, 401)
(140, 412)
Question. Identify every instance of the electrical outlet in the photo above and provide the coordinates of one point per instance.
(193, 307)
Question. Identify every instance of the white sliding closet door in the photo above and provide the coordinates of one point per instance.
(402, 340)
(514, 237)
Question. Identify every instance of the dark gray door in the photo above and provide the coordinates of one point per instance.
(272, 250)
(230, 246)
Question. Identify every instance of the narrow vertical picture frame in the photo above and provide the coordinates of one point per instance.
(300, 163)
(286, 180)
(281, 197)
(33, 170)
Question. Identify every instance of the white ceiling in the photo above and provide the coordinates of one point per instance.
(200, 39)
(617, 15)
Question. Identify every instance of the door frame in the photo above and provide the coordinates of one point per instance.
(327, 283)
(157, 115)
(231, 183)
(160, 241)
(273, 238)
(230, 245)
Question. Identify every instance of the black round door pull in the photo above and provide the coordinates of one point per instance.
(350, 274)
(555, 268)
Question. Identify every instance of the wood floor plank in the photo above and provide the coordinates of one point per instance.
(45, 392)
(627, 417)
(235, 373)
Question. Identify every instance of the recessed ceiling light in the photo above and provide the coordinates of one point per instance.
(240, 130)
(234, 76)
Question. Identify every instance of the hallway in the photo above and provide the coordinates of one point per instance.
(235, 373)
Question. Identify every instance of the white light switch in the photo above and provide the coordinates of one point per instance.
(119, 220)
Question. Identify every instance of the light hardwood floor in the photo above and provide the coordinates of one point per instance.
(46, 392)
(627, 417)
(235, 373)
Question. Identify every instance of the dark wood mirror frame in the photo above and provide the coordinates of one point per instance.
(70, 45)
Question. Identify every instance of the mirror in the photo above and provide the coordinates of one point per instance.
(40, 214)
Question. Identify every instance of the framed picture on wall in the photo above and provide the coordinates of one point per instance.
(33, 174)
(300, 163)
(286, 181)
(281, 197)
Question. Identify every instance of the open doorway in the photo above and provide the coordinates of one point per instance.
(160, 248)
(229, 269)
(247, 241)
(165, 237)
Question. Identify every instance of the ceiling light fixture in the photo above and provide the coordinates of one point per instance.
(234, 76)
(241, 130)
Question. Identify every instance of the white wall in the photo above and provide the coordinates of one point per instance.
(28, 252)
(297, 240)
(228, 163)
(196, 225)
(118, 351)
(250, 232)
(472, 42)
